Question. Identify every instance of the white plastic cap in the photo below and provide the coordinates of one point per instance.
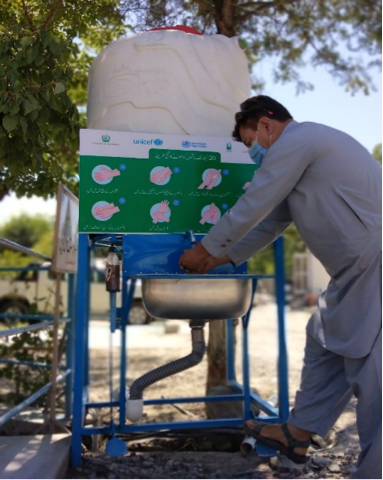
(134, 409)
(248, 445)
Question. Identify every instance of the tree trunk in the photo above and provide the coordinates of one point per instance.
(3, 192)
(224, 17)
(216, 383)
(216, 355)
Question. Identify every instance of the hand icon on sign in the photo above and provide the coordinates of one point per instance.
(104, 212)
(105, 174)
(211, 215)
(212, 178)
(159, 215)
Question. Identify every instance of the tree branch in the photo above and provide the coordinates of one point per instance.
(261, 6)
(252, 8)
(266, 5)
(205, 6)
(51, 14)
(29, 18)
(209, 19)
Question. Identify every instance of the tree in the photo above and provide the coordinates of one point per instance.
(28, 231)
(377, 153)
(44, 73)
(46, 49)
(25, 229)
(263, 261)
(10, 258)
(327, 33)
(44, 244)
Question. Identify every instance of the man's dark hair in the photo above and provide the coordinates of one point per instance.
(254, 108)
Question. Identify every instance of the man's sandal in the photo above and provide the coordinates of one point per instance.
(278, 446)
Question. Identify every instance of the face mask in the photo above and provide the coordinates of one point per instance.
(257, 153)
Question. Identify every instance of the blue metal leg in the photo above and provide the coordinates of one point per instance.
(81, 346)
(87, 300)
(245, 358)
(230, 352)
(246, 367)
(112, 426)
(127, 299)
(283, 390)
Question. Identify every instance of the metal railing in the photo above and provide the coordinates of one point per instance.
(45, 321)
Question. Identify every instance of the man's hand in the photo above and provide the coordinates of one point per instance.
(212, 262)
(198, 260)
(192, 260)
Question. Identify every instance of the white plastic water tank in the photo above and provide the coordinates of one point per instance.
(168, 81)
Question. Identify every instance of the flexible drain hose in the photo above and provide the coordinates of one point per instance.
(176, 366)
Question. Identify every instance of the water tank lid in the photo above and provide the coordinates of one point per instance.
(182, 28)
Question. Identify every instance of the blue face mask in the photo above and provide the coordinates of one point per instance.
(257, 153)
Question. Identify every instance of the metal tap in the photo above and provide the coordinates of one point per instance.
(190, 234)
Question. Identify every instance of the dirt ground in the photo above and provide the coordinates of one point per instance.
(197, 454)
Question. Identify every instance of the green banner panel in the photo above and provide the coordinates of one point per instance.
(172, 191)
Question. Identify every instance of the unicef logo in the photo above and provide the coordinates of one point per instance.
(186, 144)
(158, 142)
(105, 138)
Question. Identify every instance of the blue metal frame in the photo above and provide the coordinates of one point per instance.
(81, 372)
(80, 377)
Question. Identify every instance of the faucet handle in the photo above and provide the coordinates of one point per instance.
(190, 234)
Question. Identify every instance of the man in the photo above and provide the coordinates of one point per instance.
(330, 187)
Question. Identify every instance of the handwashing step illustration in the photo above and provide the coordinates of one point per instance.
(211, 178)
(210, 214)
(103, 175)
(160, 175)
(104, 211)
(160, 212)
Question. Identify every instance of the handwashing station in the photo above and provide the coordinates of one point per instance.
(148, 197)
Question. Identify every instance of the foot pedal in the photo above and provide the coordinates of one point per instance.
(264, 451)
(116, 447)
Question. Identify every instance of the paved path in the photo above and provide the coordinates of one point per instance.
(34, 456)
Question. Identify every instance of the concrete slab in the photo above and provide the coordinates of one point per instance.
(34, 456)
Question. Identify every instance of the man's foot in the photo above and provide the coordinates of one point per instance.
(288, 440)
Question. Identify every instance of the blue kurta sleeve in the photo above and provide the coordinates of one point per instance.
(282, 168)
(262, 235)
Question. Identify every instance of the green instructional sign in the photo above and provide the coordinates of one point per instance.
(172, 191)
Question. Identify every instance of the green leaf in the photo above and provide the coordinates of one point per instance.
(34, 115)
(59, 88)
(29, 106)
(14, 108)
(55, 45)
(16, 29)
(10, 122)
(24, 125)
(31, 53)
(26, 41)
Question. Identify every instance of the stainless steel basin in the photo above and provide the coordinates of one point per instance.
(196, 299)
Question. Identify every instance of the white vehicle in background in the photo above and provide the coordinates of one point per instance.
(32, 291)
